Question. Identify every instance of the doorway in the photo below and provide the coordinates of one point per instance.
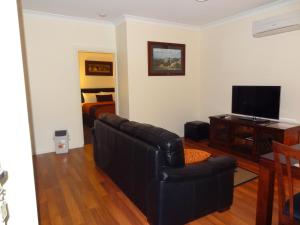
(97, 87)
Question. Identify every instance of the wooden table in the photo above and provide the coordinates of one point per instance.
(266, 188)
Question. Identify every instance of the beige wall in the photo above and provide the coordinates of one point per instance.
(216, 58)
(231, 56)
(122, 66)
(95, 81)
(167, 101)
(52, 46)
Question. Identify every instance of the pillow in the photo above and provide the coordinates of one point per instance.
(107, 93)
(195, 155)
(104, 98)
(89, 97)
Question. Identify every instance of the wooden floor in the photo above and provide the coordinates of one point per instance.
(72, 190)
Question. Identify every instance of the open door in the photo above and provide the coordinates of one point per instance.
(15, 149)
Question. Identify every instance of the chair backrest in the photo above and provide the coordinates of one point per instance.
(285, 157)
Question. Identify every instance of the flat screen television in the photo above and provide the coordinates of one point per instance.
(256, 101)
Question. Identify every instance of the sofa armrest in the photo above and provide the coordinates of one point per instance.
(187, 193)
(203, 169)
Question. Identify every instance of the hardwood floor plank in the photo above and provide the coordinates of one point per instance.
(44, 216)
(118, 212)
(134, 213)
(55, 211)
(214, 220)
(72, 205)
(67, 220)
(102, 216)
(230, 218)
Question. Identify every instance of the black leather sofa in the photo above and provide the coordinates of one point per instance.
(147, 163)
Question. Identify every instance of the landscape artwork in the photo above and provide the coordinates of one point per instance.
(166, 59)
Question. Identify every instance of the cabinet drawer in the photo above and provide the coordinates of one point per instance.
(219, 132)
(264, 138)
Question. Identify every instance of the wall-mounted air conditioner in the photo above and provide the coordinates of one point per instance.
(276, 25)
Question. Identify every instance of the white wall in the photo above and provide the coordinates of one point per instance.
(52, 44)
(167, 101)
(231, 56)
(15, 151)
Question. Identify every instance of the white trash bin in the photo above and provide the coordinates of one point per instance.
(61, 140)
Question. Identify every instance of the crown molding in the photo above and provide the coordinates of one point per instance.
(67, 18)
(261, 9)
(119, 20)
(122, 19)
(258, 10)
(148, 20)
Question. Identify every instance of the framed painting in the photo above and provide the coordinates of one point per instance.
(166, 59)
(98, 68)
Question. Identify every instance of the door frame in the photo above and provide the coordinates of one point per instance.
(95, 49)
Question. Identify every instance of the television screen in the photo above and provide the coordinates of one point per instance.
(258, 101)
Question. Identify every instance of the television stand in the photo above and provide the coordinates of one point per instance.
(255, 119)
(248, 138)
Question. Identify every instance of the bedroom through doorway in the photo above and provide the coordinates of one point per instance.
(97, 87)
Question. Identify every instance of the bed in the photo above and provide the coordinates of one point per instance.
(96, 101)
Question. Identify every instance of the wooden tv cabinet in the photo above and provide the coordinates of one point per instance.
(247, 138)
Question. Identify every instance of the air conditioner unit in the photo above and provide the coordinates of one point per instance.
(277, 24)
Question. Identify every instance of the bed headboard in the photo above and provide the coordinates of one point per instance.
(95, 90)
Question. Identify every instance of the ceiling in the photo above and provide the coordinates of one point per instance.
(179, 11)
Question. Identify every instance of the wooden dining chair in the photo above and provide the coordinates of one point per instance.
(288, 201)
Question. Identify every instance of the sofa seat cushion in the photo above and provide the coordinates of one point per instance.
(163, 139)
(195, 155)
(112, 119)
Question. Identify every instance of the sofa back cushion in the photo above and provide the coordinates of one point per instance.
(130, 162)
(112, 119)
(163, 139)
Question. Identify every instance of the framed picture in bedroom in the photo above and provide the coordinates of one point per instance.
(166, 59)
(98, 68)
